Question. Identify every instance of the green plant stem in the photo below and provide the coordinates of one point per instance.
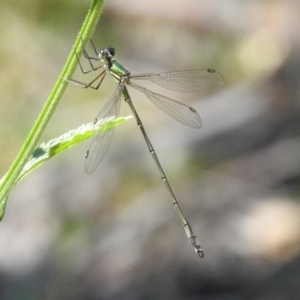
(13, 173)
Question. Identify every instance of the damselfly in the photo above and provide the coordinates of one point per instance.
(199, 80)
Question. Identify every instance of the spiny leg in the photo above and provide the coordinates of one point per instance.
(89, 58)
(96, 52)
(187, 227)
(89, 85)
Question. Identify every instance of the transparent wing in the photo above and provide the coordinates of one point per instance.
(200, 80)
(103, 136)
(176, 110)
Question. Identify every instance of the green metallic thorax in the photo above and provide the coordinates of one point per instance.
(117, 70)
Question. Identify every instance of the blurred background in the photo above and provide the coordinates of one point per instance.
(114, 234)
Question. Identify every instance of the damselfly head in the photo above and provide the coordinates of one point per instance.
(107, 54)
(112, 51)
